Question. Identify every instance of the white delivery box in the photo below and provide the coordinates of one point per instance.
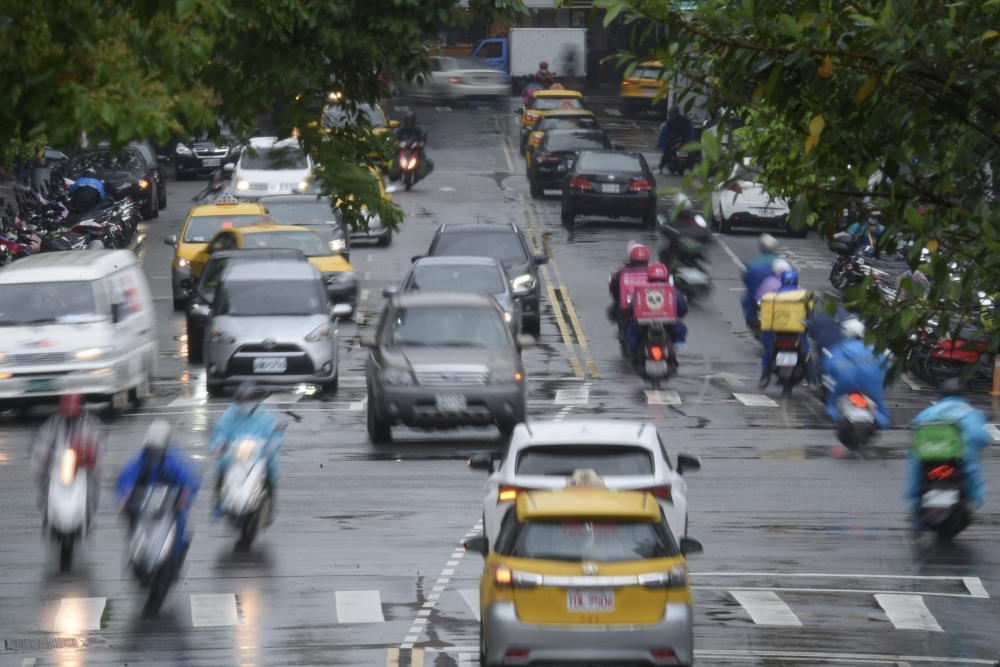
(564, 49)
(76, 322)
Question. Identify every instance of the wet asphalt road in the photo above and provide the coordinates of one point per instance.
(361, 567)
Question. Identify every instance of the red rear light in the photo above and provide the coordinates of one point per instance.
(456, 79)
(531, 116)
(656, 353)
(629, 82)
(227, 224)
(517, 655)
(507, 493)
(578, 183)
(943, 471)
(662, 654)
(786, 343)
(858, 400)
(661, 492)
(735, 188)
(640, 186)
(549, 159)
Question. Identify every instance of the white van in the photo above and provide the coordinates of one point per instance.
(76, 322)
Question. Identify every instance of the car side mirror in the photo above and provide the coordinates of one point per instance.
(479, 544)
(368, 341)
(618, 147)
(229, 167)
(688, 546)
(161, 158)
(687, 462)
(519, 110)
(201, 310)
(520, 292)
(170, 240)
(415, 258)
(393, 124)
(187, 283)
(341, 311)
(481, 462)
(526, 340)
(390, 291)
(541, 259)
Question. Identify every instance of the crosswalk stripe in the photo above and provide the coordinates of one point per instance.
(908, 612)
(465, 659)
(662, 397)
(186, 402)
(572, 396)
(471, 597)
(215, 610)
(282, 398)
(77, 614)
(28, 662)
(766, 608)
(613, 112)
(975, 586)
(755, 400)
(359, 607)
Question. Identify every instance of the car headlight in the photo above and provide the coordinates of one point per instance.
(183, 150)
(90, 353)
(505, 377)
(526, 280)
(508, 316)
(143, 184)
(217, 335)
(397, 377)
(337, 244)
(322, 332)
(182, 263)
(242, 185)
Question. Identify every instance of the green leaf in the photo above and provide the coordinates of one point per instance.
(790, 27)
(797, 216)
(914, 218)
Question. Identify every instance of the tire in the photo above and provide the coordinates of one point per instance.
(725, 227)
(656, 382)
(183, 176)
(532, 328)
(149, 209)
(379, 432)
(649, 218)
(484, 649)
(195, 344)
(568, 216)
(713, 222)
(385, 240)
(180, 304)
(66, 553)
(215, 390)
(408, 181)
(163, 199)
(534, 187)
(331, 387)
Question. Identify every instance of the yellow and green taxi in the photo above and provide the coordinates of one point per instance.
(542, 103)
(641, 87)
(338, 274)
(585, 575)
(203, 222)
(559, 119)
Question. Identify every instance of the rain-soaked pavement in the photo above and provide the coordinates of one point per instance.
(807, 557)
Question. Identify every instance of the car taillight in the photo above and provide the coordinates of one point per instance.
(735, 188)
(549, 159)
(858, 400)
(507, 493)
(663, 654)
(661, 492)
(502, 576)
(517, 655)
(656, 353)
(640, 186)
(580, 184)
(943, 471)
(456, 79)
(531, 116)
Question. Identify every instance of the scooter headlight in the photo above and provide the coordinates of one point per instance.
(245, 449)
(67, 467)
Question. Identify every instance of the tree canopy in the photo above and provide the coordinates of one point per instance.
(891, 107)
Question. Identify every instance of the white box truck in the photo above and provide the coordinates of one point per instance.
(518, 55)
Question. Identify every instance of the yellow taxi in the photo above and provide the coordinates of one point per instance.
(337, 115)
(643, 85)
(559, 119)
(338, 274)
(381, 234)
(542, 103)
(585, 575)
(203, 222)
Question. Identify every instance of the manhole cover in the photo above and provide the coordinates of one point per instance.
(40, 643)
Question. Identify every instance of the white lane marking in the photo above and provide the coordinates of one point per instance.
(975, 587)
(613, 112)
(186, 402)
(572, 396)
(993, 431)
(371, 257)
(908, 612)
(359, 607)
(453, 649)
(77, 614)
(282, 398)
(852, 591)
(909, 382)
(850, 658)
(28, 662)
(364, 295)
(766, 608)
(446, 189)
(442, 108)
(471, 597)
(392, 657)
(755, 400)
(452, 563)
(215, 610)
(732, 379)
(423, 613)
(465, 659)
(732, 255)
(447, 572)
(814, 575)
(359, 405)
(662, 397)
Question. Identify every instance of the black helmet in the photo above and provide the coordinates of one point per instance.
(952, 387)
(247, 391)
(411, 119)
(674, 110)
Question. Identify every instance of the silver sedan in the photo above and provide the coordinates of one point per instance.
(456, 79)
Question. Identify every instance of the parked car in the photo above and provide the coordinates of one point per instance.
(742, 202)
(124, 174)
(551, 160)
(443, 359)
(149, 155)
(609, 183)
(271, 166)
(454, 79)
(201, 155)
(313, 211)
(505, 243)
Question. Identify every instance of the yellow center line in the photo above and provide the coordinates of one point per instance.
(580, 337)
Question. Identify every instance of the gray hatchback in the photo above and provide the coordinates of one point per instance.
(444, 359)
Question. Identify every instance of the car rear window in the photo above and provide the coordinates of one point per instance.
(647, 73)
(303, 213)
(575, 540)
(460, 278)
(308, 242)
(550, 103)
(605, 163)
(605, 460)
(505, 246)
(575, 123)
(575, 142)
(201, 229)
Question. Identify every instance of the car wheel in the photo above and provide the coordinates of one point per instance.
(379, 432)
(179, 304)
(713, 222)
(183, 175)
(215, 390)
(149, 210)
(163, 198)
(725, 227)
(532, 328)
(649, 218)
(195, 349)
(534, 186)
(484, 648)
(331, 387)
(385, 240)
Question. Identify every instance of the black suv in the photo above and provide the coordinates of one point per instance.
(506, 243)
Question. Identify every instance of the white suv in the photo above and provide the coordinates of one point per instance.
(628, 455)
(740, 202)
(271, 167)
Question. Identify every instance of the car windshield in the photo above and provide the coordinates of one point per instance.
(315, 212)
(274, 159)
(605, 460)
(337, 116)
(42, 303)
(462, 278)
(575, 142)
(600, 540)
(270, 297)
(605, 163)
(550, 103)
(575, 123)
(103, 161)
(201, 229)
(447, 326)
(308, 242)
(505, 246)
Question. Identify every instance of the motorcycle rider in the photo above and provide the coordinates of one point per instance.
(867, 234)
(543, 76)
(676, 129)
(160, 461)
(214, 189)
(773, 282)
(756, 271)
(789, 283)
(245, 417)
(638, 261)
(971, 423)
(86, 192)
(84, 432)
(409, 129)
(534, 85)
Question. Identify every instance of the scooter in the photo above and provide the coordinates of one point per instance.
(788, 361)
(857, 419)
(684, 253)
(154, 538)
(943, 509)
(408, 157)
(680, 161)
(67, 517)
(246, 491)
(657, 361)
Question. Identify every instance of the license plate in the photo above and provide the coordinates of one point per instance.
(656, 368)
(590, 599)
(858, 415)
(270, 365)
(682, 153)
(940, 498)
(211, 162)
(691, 275)
(765, 212)
(451, 402)
(40, 385)
(787, 358)
(609, 187)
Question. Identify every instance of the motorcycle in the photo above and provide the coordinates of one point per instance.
(942, 506)
(658, 361)
(651, 307)
(788, 361)
(408, 158)
(857, 419)
(154, 538)
(680, 161)
(246, 493)
(684, 253)
(67, 517)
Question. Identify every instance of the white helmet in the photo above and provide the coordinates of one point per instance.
(158, 434)
(779, 266)
(767, 243)
(853, 328)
